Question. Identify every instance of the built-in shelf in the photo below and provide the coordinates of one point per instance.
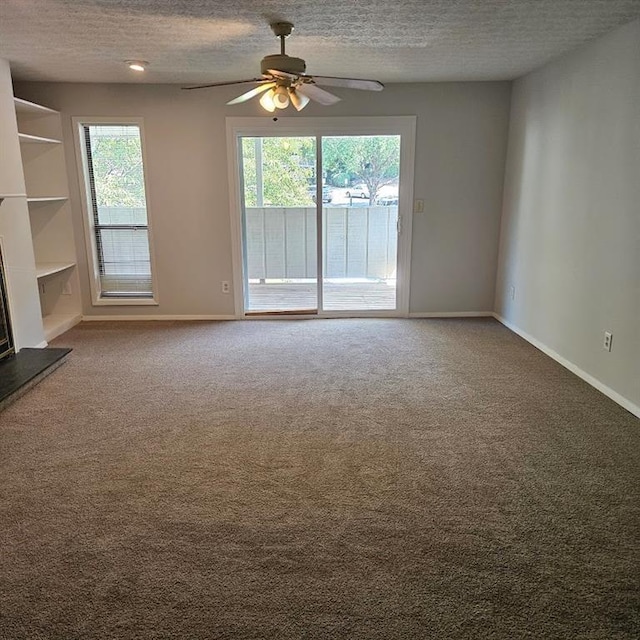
(55, 325)
(27, 137)
(24, 106)
(46, 199)
(11, 195)
(49, 216)
(44, 269)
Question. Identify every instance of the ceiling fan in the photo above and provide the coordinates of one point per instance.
(284, 81)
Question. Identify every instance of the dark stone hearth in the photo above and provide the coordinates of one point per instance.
(23, 370)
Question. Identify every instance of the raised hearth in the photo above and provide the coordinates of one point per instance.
(23, 370)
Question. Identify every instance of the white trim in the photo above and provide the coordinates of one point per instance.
(87, 219)
(235, 219)
(594, 382)
(301, 126)
(405, 213)
(320, 228)
(125, 302)
(405, 126)
(452, 314)
(146, 318)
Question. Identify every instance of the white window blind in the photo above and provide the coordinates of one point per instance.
(118, 209)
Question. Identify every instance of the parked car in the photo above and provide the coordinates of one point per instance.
(387, 195)
(327, 193)
(357, 191)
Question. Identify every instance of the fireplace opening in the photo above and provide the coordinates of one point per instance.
(6, 341)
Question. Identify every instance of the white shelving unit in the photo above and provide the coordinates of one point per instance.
(25, 137)
(42, 151)
(24, 106)
(44, 269)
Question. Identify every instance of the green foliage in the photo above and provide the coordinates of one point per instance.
(288, 168)
(373, 160)
(117, 170)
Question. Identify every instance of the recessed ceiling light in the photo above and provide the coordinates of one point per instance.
(137, 65)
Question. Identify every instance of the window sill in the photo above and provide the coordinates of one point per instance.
(125, 302)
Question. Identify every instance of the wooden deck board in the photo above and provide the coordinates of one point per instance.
(365, 296)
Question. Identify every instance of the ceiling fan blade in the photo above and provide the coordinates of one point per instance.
(282, 74)
(317, 94)
(252, 92)
(223, 84)
(348, 83)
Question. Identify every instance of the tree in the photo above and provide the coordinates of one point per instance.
(117, 169)
(280, 171)
(287, 170)
(374, 160)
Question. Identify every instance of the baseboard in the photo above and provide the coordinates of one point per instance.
(147, 318)
(144, 318)
(453, 314)
(588, 378)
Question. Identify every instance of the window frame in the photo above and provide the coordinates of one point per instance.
(93, 264)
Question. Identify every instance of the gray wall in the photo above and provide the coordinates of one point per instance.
(460, 155)
(570, 241)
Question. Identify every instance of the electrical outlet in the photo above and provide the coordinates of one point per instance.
(418, 206)
(512, 292)
(66, 289)
(608, 339)
(226, 287)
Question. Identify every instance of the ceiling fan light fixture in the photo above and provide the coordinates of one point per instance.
(137, 65)
(298, 100)
(281, 97)
(284, 80)
(267, 101)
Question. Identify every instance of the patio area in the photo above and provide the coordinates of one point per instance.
(338, 296)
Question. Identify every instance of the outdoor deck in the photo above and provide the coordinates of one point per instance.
(361, 296)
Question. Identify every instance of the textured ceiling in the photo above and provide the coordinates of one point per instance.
(196, 41)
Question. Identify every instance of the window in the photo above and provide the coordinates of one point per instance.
(116, 208)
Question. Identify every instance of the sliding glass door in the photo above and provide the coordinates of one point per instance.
(360, 225)
(320, 221)
(279, 224)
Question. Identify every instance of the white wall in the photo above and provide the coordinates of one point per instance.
(570, 240)
(461, 147)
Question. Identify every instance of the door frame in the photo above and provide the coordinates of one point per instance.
(404, 126)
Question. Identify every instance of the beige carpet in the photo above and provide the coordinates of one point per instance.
(343, 479)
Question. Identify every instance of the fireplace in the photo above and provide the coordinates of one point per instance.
(21, 371)
(6, 342)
